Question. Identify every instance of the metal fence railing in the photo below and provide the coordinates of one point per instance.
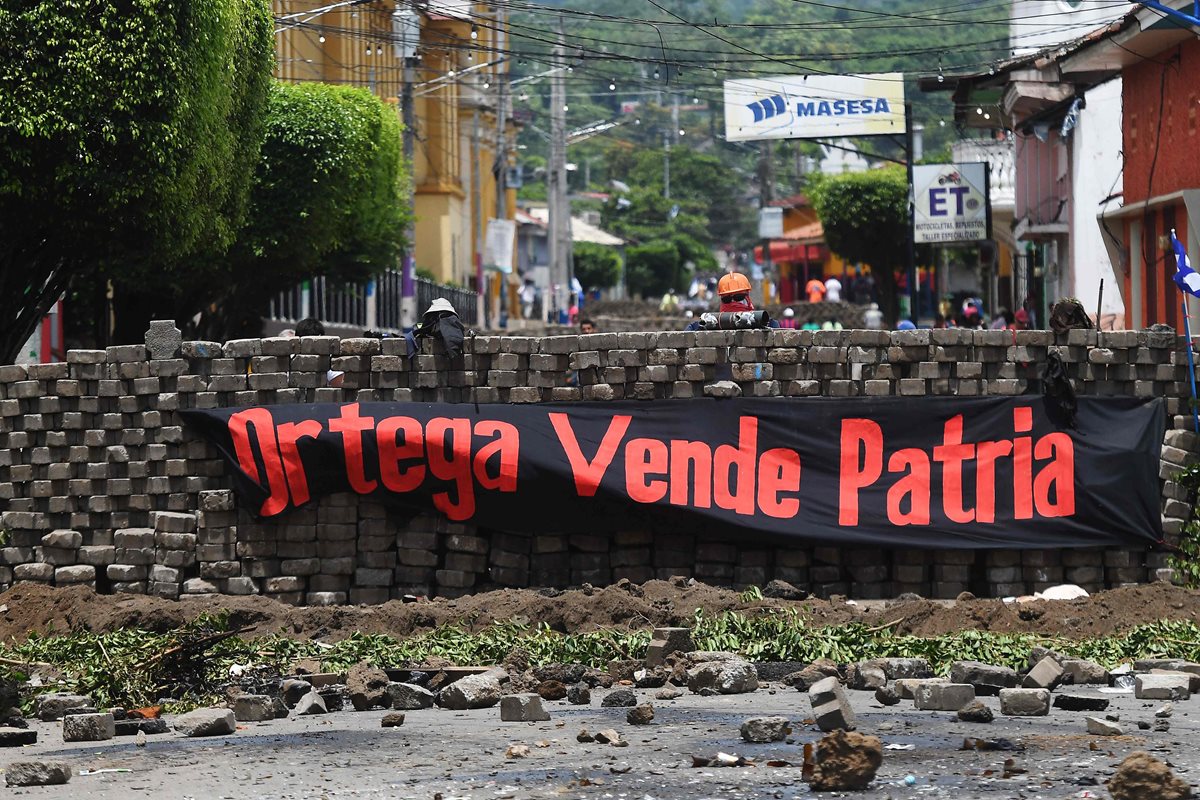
(371, 305)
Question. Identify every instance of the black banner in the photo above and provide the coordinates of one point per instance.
(930, 472)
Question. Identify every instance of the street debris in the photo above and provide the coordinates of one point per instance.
(37, 773)
(846, 761)
(760, 730)
(640, 715)
(1142, 776)
(206, 722)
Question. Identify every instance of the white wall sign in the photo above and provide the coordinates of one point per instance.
(814, 106)
(501, 236)
(770, 223)
(951, 202)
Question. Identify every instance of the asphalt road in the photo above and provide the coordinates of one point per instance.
(461, 755)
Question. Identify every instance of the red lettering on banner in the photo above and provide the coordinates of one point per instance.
(588, 474)
(290, 433)
(507, 445)
(1059, 474)
(691, 469)
(952, 454)
(351, 426)
(455, 467)
(778, 472)
(743, 459)
(264, 430)
(858, 474)
(644, 458)
(914, 485)
(1051, 493)
(392, 452)
(985, 478)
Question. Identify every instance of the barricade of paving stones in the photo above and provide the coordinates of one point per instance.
(103, 484)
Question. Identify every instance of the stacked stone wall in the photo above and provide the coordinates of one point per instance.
(102, 483)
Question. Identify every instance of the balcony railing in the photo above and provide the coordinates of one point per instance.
(374, 305)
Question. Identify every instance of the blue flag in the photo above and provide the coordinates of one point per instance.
(1185, 276)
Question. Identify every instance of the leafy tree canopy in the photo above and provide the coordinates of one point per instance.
(130, 132)
(596, 266)
(865, 216)
(328, 198)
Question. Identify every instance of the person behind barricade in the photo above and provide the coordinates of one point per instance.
(873, 317)
(670, 302)
(789, 319)
(906, 325)
(586, 326)
(734, 291)
(833, 289)
(815, 289)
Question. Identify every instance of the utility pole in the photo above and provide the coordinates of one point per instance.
(914, 310)
(407, 24)
(766, 195)
(501, 144)
(557, 177)
(666, 167)
(477, 217)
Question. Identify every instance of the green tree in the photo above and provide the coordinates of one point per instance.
(652, 268)
(865, 216)
(130, 132)
(328, 199)
(596, 265)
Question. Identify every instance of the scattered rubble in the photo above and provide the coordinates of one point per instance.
(830, 706)
(474, 691)
(17, 737)
(37, 773)
(1162, 687)
(1141, 776)
(367, 686)
(665, 641)
(1102, 727)
(846, 761)
(611, 736)
(942, 696)
(988, 679)
(312, 703)
(725, 673)
(253, 708)
(1080, 702)
(579, 694)
(619, 698)
(1024, 702)
(393, 720)
(760, 730)
(88, 727)
(50, 707)
(206, 722)
(640, 715)
(668, 693)
(409, 697)
(522, 708)
(975, 711)
(887, 695)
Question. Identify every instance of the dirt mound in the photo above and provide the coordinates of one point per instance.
(29, 607)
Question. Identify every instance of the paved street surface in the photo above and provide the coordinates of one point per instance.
(461, 755)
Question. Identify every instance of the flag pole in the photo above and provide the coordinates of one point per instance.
(1187, 327)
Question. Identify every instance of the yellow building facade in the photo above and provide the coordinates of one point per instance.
(456, 90)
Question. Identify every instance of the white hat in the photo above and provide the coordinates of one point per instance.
(787, 312)
(440, 304)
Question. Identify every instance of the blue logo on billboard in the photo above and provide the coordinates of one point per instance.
(842, 108)
(767, 108)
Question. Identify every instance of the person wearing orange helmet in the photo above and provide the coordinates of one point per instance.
(734, 291)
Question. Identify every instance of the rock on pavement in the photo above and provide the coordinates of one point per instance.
(619, 698)
(1102, 727)
(760, 730)
(312, 703)
(474, 691)
(846, 761)
(51, 706)
(16, 737)
(975, 711)
(726, 676)
(988, 679)
(1161, 687)
(522, 708)
(640, 715)
(942, 696)
(1046, 674)
(1141, 776)
(830, 707)
(207, 722)
(579, 694)
(88, 727)
(37, 773)
(666, 641)
(1024, 702)
(367, 686)
(409, 696)
(253, 708)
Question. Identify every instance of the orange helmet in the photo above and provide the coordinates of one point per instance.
(733, 283)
